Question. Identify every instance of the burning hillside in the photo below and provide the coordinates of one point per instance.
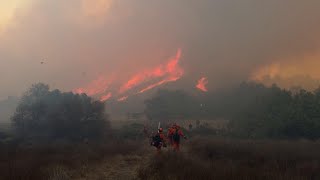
(143, 81)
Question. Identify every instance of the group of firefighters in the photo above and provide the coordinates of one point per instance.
(172, 138)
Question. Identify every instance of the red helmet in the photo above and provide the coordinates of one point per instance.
(160, 129)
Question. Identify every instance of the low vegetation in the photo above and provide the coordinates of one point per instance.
(62, 161)
(237, 159)
(44, 115)
(253, 110)
(270, 134)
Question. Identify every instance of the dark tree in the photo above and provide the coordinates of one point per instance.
(253, 110)
(50, 115)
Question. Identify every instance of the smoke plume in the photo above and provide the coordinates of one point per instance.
(104, 43)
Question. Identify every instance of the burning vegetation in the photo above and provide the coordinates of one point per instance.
(138, 83)
(145, 73)
(69, 136)
(202, 84)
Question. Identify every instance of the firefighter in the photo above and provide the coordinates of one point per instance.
(171, 131)
(176, 136)
(159, 140)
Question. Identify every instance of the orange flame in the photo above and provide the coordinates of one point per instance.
(170, 79)
(106, 97)
(152, 86)
(169, 72)
(164, 73)
(123, 98)
(202, 84)
(98, 86)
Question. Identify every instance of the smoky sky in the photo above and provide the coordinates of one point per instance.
(222, 40)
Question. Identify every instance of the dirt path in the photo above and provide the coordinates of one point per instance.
(119, 167)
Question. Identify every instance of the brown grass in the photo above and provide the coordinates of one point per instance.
(238, 159)
(59, 161)
(201, 158)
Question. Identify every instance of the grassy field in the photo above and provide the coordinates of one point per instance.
(120, 157)
(237, 159)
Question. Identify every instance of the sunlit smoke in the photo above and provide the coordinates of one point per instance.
(96, 8)
(290, 67)
(8, 10)
(271, 71)
(202, 84)
(294, 71)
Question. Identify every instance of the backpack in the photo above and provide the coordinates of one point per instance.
(156, 140)
(176, 136)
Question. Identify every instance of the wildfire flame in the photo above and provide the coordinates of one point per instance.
(168, 72)
(96, 87)
(106, 97)
(152, 86)
(145, 80)
(171, 79)
(202, 84)
(123, 98)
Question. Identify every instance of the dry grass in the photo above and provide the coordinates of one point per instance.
(201, 158)
(173, 166)
(238, 159)
(74, 161)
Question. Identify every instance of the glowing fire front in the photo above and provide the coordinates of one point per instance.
(167, 73)
(106, 97)
(123, 98)
(138, 83)
(96, 87)
(202, 84)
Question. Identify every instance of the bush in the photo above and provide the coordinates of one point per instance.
(50, 115)
(277, 113)
(253, 110)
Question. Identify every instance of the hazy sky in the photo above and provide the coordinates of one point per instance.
(225, 40)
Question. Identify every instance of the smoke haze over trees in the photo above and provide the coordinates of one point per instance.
(7, 108)
(52, 115)
(227, 41)
(253, 110)
(111, 70)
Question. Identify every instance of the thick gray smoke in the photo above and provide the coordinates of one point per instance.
(70, 43)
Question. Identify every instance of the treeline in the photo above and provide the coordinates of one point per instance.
(253, 110)
(61, 135)
(45, 115)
